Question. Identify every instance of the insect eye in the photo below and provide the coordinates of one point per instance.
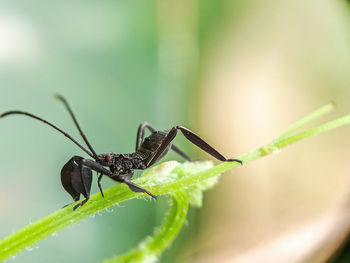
(108, 158)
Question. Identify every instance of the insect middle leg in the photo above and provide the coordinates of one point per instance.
(99, 183)
(141, 134)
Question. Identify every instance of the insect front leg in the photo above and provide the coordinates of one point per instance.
(76, 179)
(126, 179)
(99, 184)
(137, 189)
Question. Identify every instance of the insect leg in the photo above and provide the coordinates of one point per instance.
(125, 178)
(181, 153)
(82, 203)
(85, 181)
(195, 139)
(92, 165)
(99, 184)
(84, 184)
(76, 179)
(137, 189)
(167, 140)
(141, 134)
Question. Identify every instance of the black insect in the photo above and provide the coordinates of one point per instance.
(76, 174)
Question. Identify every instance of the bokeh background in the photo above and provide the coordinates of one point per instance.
(236, 72)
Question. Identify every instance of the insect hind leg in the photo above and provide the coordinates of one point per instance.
(141, 134)
(198, 141)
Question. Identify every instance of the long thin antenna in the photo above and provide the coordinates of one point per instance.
(62, 99)
(48, 123)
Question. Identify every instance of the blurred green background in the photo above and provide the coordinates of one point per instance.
(236, 72)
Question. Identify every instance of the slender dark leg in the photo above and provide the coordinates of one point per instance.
(80, 204)
(192, 137)
(99, 184)
(135, 188)
(167, 140)
(86, 179)
(195, 139)
(141, 134)
(92, 165)
(64, 101)
(83, 183)
(181, 153)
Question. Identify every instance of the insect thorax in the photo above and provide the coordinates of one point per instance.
(126, 163)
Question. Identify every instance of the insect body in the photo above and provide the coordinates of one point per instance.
(76, 174)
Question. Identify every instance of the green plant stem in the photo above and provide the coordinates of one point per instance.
(64, 217)
(58, 220)
(308, 118)
(151, 248)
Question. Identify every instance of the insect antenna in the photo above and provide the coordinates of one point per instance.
(50, 124)
(64, 101)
